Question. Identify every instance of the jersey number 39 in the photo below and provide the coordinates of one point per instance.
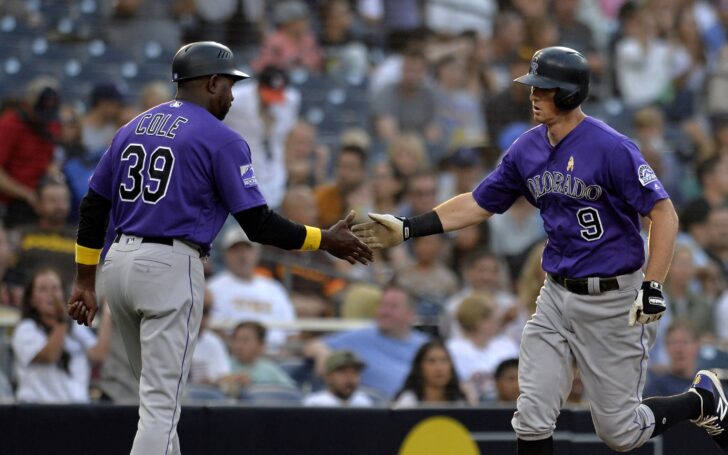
(158, 170)
(591, 223)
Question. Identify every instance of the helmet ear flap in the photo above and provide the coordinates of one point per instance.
(568, 100)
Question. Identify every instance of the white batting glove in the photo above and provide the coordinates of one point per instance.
(383, 231)
(649, 306)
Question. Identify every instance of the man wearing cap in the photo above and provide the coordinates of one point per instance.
(343, 374)
(170, 178)
(264, 113)
(240, 294)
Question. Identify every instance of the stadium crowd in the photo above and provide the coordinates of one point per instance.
(371, 105)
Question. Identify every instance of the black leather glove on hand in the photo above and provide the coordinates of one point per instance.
(649, 305)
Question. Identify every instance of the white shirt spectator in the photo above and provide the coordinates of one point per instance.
(266, 147)
(477, 365)
(46, 382)
(261, 299)
(210, 360)
(325, 398)
(721, 317)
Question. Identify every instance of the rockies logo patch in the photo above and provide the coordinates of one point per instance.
(249, 180)
(646, 174)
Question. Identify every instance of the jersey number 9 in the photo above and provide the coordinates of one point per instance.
(158, 170)
(592, 226)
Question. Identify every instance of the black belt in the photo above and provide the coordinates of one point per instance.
(581, 285)
(162, 241)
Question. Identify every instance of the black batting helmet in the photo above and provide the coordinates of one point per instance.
(204, 58)
(561, 68)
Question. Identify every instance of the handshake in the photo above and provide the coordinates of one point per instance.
(354, 243)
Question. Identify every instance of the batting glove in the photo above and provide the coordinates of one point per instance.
(649, 305)
(383, 231)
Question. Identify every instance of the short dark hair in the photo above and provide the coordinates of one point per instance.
(695, 212)
(356, 150)
(706, 167)
(504, 365)
(255, 326)
(475, 256)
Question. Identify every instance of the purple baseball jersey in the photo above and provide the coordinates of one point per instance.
(591, 189)
(176, 171)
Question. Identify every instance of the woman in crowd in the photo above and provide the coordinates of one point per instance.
(432, 379)
(53, 357)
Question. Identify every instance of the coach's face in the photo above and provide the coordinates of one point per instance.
(220, 88)
(542, 102)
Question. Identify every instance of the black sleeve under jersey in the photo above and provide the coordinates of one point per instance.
(265, 226)
(93, 220)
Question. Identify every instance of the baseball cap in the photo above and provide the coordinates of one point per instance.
(341, 359)
(105, 91)
(464, 157)
(272, 82)
(234, 236)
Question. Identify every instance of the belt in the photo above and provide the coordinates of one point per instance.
(163, 241)
(581, 285)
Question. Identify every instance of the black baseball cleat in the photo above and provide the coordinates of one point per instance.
(713, 413)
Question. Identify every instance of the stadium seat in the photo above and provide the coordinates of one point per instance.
(269, 394)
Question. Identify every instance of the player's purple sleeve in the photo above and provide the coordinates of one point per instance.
(500, 189)
(235, 178)
(102, 179)
(634, 179)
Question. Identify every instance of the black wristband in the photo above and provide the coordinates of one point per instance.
(422, 225)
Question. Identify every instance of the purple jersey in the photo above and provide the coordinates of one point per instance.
(591, 189)
(176, 171)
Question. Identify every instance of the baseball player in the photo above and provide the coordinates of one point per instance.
(597, 306)
(168, 181)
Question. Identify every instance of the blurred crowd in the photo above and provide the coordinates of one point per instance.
(435, 320)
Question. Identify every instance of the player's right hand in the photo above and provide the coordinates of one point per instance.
(383, 231)
(649, 306)
(342, 243)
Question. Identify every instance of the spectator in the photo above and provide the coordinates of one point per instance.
(483, 273)
(51, 240)
(408, 155)
(79, 164)
(10, 290)
(713, 177)
(452, 18)
(463, 170)
(265, 112)
(240, 294)
(52, 356)
(26, 149)
(154, 93)
(512, 234)
(718, 239)
(249, 367)
(694, 230)
(481, 350)
(506, 382)
(292, 44)
(387, 189)
(337, 198)
(387, 349)
(682, 348)
(458, 114)
(509, 108)
(432, 379)
(210, 361)
(683, 301)
(421, 193)
(343, 376)
(344, 51)
(408, 105)
(428, 278)
(575, 34)
(311, 278)
(102, 119)
(531, 279)
(509, 34)
(306, 161)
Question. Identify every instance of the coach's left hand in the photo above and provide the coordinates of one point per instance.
(649, 305)
(342, 243)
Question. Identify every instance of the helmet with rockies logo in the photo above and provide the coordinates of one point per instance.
(204, 58)
(561, 68)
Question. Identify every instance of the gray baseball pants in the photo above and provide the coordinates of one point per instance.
(155, 295)
(592, 331)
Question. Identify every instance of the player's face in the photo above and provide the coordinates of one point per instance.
(436, 367)
(542, 102)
